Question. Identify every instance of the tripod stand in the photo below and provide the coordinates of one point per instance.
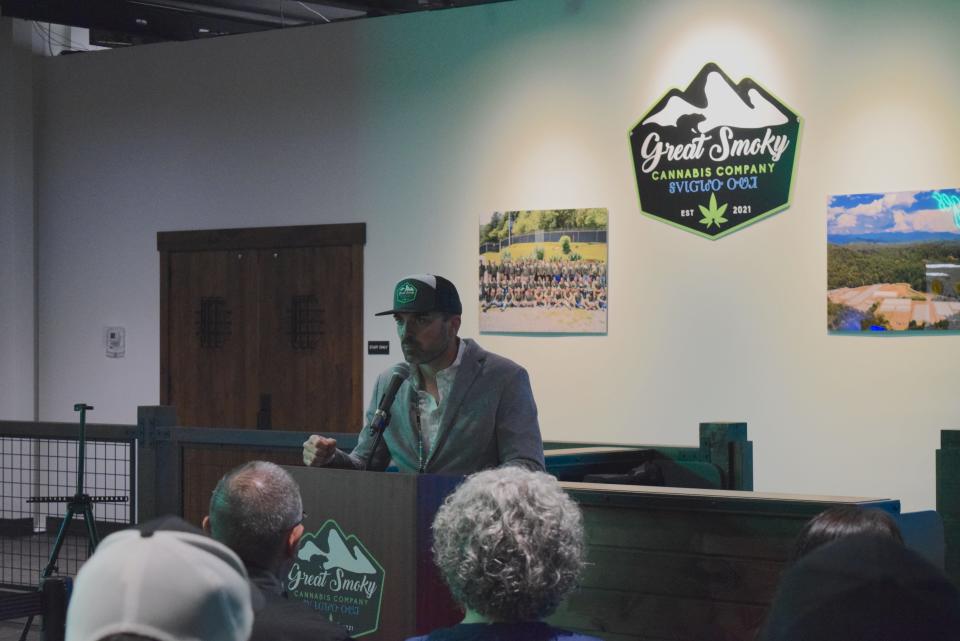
(80, 504)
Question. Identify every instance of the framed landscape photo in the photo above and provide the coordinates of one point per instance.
(544, 272)
(893, 262)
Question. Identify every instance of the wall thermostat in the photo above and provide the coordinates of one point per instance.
(116, 341)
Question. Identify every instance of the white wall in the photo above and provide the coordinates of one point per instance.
(418, 124)
(17, 286)
(17, 321)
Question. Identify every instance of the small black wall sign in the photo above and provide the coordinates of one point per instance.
(378, 347)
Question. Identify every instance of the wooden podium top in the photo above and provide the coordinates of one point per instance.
(725, 494)
(694, 563)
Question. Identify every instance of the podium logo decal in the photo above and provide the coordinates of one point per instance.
(338, 576)
(715, 157)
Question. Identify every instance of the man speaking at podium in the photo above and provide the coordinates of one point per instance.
(456, 407)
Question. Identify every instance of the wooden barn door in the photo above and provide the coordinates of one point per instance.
(213, 343)
(260, 328)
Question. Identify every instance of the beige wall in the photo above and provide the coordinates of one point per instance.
(418, 124)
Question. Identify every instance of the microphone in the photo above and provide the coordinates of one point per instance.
(382, 415)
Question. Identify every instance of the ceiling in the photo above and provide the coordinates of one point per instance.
(116, 23)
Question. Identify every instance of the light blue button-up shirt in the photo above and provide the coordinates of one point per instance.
(430, 408)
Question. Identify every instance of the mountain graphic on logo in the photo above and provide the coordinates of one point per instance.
(338, 555)
(716, 101)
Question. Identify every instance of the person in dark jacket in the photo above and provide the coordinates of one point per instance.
(863, 587)
(256, 510)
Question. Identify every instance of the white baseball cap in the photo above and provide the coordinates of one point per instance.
(165, 584)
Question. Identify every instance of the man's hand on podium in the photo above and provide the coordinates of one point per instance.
(319, 449)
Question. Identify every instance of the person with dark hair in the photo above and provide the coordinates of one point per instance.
(256, 510)
(509, 544)
(863, 588)
(161, 584)
(459, 408)
(841, 521)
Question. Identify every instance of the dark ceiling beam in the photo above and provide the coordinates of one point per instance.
(389, 7)
(226, 11)
(138, 18)
(353, 5)
(139, 21)
(407, 6)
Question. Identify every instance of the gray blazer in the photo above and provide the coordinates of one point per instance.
(489, 419)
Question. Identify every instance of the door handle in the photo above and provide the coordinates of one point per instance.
(263, 414)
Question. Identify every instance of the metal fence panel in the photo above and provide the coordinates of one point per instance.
(32, 467)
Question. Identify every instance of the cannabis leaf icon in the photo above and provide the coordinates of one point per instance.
(713, 215)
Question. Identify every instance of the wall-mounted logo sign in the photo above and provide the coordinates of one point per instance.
(716, 156)
(336, 575)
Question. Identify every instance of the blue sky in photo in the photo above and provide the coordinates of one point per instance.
(931, 211)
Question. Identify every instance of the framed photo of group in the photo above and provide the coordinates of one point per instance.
(544, 271)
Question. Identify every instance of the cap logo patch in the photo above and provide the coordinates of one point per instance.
(406, 293)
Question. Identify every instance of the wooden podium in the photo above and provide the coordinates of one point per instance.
(382, 518)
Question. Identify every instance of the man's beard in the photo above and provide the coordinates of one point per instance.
(418, 357)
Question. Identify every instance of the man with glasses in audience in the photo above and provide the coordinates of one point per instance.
(256, 510)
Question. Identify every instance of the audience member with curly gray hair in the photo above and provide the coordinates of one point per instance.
(509, 543)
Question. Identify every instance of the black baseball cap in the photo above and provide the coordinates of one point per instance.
(424, 293)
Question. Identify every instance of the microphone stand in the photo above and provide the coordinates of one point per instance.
(379, 425)
(381, 417)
